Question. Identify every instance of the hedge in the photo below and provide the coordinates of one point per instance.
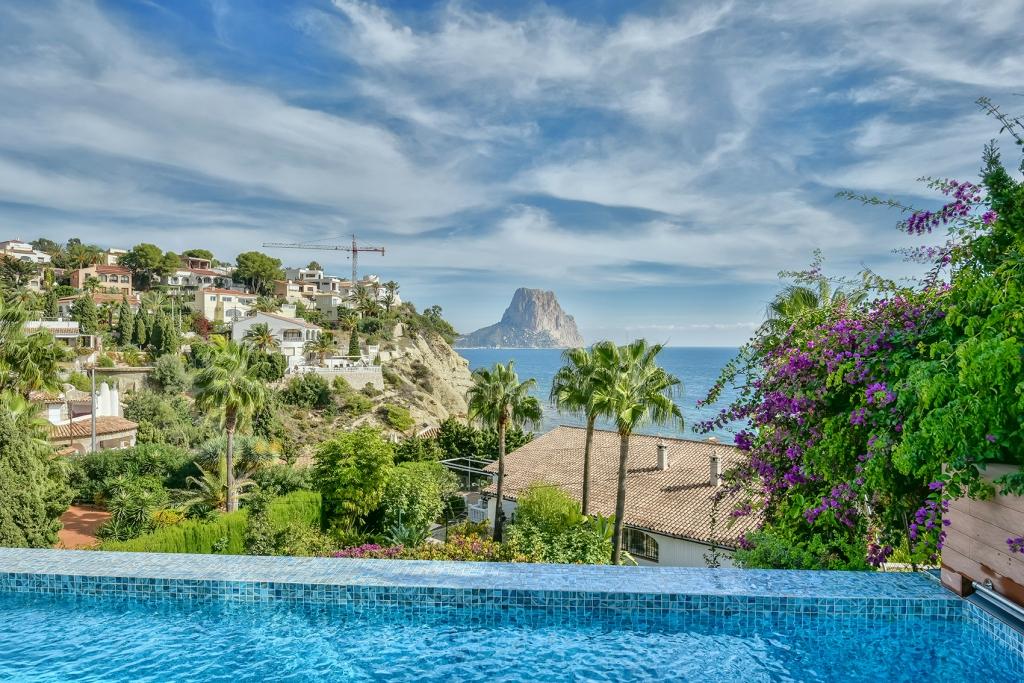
(201, 536)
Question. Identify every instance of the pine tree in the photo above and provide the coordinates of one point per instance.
(353, 345)
(84, 311)
(125, 323)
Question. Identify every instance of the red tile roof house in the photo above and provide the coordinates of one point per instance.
(670, 492)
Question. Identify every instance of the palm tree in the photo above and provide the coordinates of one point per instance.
(80, 255)
(210, 489)
(154, 301)
(634, 390)
(364, 298)
(260, 336)
(499, 400)
(91, 284)
(573, 389)
(231, 387)
(391, 294)
(266, 304)
(797, 300)
(324, 345)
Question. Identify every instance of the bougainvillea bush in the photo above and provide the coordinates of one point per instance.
(865, 414)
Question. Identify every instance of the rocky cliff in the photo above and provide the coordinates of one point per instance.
(534, 319)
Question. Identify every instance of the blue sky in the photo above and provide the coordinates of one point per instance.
(655, 163)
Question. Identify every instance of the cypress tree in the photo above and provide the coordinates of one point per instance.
(140, 334)
(125, 323)
(84, 311)
(156, 333)
(50, 308)
(353, 344)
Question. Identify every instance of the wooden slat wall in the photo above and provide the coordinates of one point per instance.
(976, 546)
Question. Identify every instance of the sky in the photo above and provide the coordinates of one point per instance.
(656, 164)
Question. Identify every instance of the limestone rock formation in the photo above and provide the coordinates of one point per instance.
(534, 319)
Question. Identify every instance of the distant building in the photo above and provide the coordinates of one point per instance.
(676, 508)
(113, 279)
(292, 334)
(23, 251)
(112, 256)
(69, 413)
(223, 305)
(199, 273)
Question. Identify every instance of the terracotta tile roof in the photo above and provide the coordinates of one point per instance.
(204, 271)
(80, 429)
(675, 502)
(112, 270)
(70, 394)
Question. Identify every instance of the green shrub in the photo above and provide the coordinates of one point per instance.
(105, 361)
(579, 544)
(224, 534)
(164, 419)
(169, 374)
(548, 508)
(351, 472)
(391, 378)
(356, 404)
(132, 501)
(308, 390)
(415, 495)
(418, 449)
(91, 474)
(279, 480)
(396, 416)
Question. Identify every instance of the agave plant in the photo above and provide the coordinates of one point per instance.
(407, 536)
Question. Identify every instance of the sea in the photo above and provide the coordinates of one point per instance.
(697, 367)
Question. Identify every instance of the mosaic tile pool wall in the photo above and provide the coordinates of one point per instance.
(512, 593)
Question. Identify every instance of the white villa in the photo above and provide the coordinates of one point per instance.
(222, 305)
(71, 423)
(292, 334)
(676, 507)
(65, 331)
(23, 251)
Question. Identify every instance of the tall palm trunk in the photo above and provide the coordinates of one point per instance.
(499, 512)
(586, 463)
(620, 498)
(230, 423)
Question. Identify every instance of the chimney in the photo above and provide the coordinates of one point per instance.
(715, 463)
(663, 461)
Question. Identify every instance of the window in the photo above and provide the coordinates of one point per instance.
(292, 335)
(227, 298)
(639, 544)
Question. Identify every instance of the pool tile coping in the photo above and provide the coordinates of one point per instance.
(474, 575)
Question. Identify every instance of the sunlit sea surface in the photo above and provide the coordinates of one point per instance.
(698, 367)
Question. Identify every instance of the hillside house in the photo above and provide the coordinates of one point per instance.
(292, 334)
(112, 279)
(65, 303)
(23, 251)
(223, 305)
(69, 413)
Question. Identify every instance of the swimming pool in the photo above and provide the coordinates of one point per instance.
(138, 617)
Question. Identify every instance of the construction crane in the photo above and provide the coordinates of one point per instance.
(353, 250)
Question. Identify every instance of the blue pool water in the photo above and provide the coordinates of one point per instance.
(64, 638)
